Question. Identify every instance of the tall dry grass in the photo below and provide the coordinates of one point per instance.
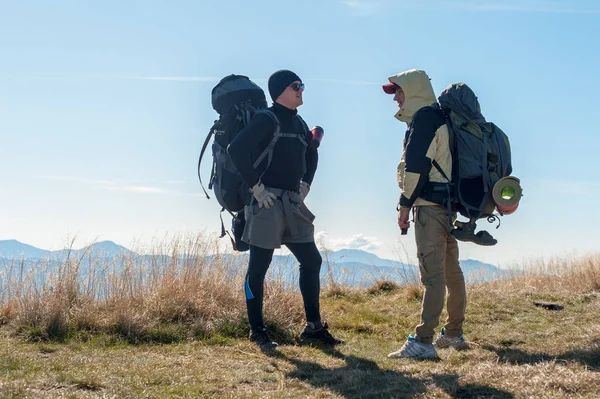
(185, 288)
(556, 275)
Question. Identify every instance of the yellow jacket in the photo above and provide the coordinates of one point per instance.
(426, 140)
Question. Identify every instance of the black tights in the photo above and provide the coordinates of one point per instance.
(310, 265)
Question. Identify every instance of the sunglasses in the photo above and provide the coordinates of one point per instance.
(297, 86)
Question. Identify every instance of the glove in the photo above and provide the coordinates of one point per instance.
(304, 189)
(264, 198)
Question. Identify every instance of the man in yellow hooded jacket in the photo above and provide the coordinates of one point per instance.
(422, 174)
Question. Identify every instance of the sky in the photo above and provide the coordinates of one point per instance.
(104, 106)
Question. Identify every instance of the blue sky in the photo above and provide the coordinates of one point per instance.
(104, 106)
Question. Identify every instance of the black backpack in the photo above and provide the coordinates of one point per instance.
(480, 157)
(237, 100)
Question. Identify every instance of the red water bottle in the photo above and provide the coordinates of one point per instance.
(317, 134)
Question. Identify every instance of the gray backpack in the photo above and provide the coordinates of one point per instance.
(480, 157)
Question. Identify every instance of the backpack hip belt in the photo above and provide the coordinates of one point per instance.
(440, 193)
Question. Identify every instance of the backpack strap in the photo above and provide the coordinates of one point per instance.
(448, 192)
(223, 231)
(306, 129)
(245, 110)
(269, 150)
(484, 163)
(439, 169)
(208, 137)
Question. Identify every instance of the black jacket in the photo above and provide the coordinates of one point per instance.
(292, 161)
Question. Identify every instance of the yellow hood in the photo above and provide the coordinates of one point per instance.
(418, 92)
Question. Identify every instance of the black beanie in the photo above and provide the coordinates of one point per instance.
(279, 80)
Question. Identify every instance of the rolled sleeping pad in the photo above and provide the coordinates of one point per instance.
(507, 193)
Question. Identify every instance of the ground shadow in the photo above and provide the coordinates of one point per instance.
(363, 378)
(449, 383)
(589, 357)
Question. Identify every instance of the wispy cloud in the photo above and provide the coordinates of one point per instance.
(357, 241)
(531, 6)
(569, 187)
(367, 7)
(363, 7)
(192, 79)
(77, 179)
(182, 79)
(113, 186)
(342, 81)
(174, 78)
(138, 189)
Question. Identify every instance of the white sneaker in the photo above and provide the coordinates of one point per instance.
(444, 341)
(414, 349)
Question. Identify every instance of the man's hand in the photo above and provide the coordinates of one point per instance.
(403, 216)
(304, 189)
(264, 198)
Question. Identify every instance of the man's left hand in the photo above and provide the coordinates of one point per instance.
(304, 189)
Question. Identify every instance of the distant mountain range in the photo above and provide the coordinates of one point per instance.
(14, 249)
(348, 266)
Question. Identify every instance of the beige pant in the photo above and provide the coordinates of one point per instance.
(437, 251)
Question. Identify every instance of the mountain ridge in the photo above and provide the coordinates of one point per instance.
(344, 264)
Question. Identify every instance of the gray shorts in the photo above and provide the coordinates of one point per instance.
(287, 221)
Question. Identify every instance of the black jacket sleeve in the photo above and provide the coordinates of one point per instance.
(246, 143)
(419, 138)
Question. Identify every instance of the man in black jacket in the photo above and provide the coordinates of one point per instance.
(276, 213)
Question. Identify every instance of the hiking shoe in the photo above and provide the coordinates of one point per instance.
(414, 349)
(317, 333)
(261, 338)
(482, 238)
(444, 341)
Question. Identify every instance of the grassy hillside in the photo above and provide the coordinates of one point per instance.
(182, 333)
